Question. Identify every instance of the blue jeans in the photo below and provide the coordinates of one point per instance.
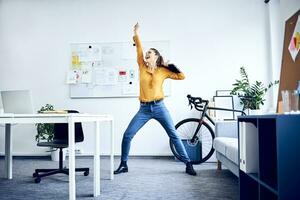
(146, 112)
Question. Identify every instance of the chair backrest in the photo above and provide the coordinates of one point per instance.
(61, 131)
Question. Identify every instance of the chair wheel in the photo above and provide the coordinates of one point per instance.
(86, 173)
(37, 180)
(34, 174)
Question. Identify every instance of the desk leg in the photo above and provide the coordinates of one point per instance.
(112, 150)
(72, 186)
(97, 160)
(8, 152)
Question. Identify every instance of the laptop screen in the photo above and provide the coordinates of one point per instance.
(17, 101)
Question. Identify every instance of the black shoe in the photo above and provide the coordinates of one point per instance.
(122, 168)
(189, 169)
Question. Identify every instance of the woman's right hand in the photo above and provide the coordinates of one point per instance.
(136, 28)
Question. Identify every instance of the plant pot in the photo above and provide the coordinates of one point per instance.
(55, 155)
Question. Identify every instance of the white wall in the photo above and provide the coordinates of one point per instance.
(276, 37)
(210, 41)
(288, 8)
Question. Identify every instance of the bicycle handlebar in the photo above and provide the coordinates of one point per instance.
(197, 102)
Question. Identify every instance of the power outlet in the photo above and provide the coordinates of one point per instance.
(78, 151)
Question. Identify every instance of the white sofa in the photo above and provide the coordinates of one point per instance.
(226, 145)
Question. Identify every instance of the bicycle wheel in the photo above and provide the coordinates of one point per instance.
(199, 150)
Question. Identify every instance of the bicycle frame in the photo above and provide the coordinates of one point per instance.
(203, 109)
(222, 109)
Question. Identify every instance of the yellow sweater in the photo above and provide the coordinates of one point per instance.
(151, 84)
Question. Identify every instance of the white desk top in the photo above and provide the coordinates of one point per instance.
(5, 115)
(52, 118)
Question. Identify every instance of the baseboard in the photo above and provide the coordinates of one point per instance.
(84, 154)
(48, 157)
(89, 156)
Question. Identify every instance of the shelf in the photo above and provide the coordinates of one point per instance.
(266, 193)
(278, 159)
(250, 187)
(267, 152)
(272, 190)
(253, 175)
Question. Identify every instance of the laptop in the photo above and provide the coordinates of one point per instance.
(17, 101)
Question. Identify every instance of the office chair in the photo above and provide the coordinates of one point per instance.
(60, 141)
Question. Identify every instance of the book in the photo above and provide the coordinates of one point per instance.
(248, 141)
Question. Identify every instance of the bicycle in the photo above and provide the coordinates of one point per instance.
(195, 133)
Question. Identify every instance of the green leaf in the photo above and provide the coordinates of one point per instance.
(252, 95)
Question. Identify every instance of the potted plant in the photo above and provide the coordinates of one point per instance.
(45, 132)
(252, 95)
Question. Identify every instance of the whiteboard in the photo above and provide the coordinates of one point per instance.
(99, 70)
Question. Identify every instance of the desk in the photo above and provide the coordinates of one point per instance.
(9, 119)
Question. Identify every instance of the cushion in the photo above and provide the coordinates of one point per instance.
(220, 144)
(232, 150)
(226, 129)
(228, 147)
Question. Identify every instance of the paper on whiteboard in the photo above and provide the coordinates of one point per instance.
(72, 77)
(294, 45)
(90, 64)
(75, 61)
(128, 51)
(130, 89)
(90, 53)
(86, 76)
(108, 50)
(106, 76)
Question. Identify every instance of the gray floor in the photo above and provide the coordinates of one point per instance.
(147, 179)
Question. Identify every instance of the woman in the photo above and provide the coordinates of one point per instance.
(153, 72)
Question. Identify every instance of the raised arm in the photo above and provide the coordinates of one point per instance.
(139, 50)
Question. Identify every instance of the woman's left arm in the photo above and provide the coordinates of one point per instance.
(174, 72)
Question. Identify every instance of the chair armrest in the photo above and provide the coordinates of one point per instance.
(226, 129)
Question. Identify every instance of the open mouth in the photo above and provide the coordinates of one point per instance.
(147, 57)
